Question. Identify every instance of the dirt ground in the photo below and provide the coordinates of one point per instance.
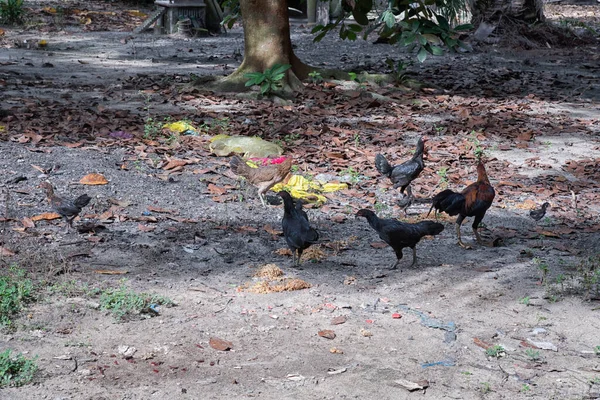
(81, 104)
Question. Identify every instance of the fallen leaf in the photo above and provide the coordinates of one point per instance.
(109, 272)
(214, 189)
(339, 218)
(481, 343)
(42, 170)
(338, 320)
(175, 163)
(412, 386)
(246, 228)
(379, 245)
(47, 216)
(327, 334)
(6, 252)
(396, 316)
(28, 223)
(146, 228)
(93, 179)
(335, 350)
(272, 231)
(160, 210)
(220, 344)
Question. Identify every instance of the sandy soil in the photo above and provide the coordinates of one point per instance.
(535, 113)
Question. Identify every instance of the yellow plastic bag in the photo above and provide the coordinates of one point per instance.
(181, 127)
(301, 188)
(224, 145)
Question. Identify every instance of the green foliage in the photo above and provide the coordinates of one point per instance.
(315, 77)
(399, 70)
(478, 150)
(419, 27)
(353, 175)
(525, 388)
(534, 355)
(15, 370)
(11, 11)
(122, 300)
(269, 80)
(525, 300)
(485, 387)
(443, 174)
(597, 350)
(15, 291)
(152, 128)
(495, 351)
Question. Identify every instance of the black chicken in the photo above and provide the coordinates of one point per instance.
(402, 175)
(296, 228)
(407, 200)
(401, 234)
(473, 201)
(66, 208)
(539, 213)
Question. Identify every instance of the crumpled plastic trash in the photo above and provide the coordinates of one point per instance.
(182, 127)
(224, 145)
(428, 321)
(302, 188)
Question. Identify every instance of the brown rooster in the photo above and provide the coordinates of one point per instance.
(473, 201)
(66, 208)
(264, 178)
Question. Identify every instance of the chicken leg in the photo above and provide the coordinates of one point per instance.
(460, 242)
(414, 262)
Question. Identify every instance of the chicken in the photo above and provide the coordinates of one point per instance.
(296, 228)
(407, 200)
(401, 234)
(264, 178)
(66, 208)
(473, 201)
(402, 175)
(540, 212)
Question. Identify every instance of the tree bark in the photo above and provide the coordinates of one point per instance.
(493, 11)
(267, 42)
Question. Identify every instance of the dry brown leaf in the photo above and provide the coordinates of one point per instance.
(272, 231)
(339, 320)
(146, 228)
(6, 252)
(174, 163)
(379, 245)
(220, 344)
(93, 179)
(161, 210)
(481, 343)
(42, 170)
(28, 223)
(327, 334)
(47, 216)
(214, 189)
(109, 272)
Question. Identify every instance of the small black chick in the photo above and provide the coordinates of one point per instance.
(401, 234)
(296, 228)
(407, 200)
(539, 213)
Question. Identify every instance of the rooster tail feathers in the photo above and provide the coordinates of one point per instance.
(82, 201)
(448, 201)
(382, 165)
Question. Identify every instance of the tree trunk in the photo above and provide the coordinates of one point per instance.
(267, 42)
(494, 11)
